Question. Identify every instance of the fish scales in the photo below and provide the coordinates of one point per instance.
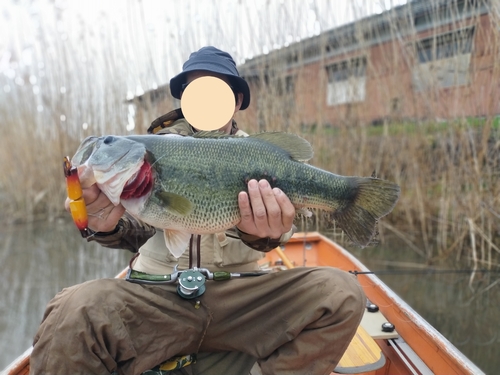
(211, 173)
(197, 180)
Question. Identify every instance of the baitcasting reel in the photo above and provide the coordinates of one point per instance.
(191, 282)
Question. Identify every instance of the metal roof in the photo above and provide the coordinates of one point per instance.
(413, 17)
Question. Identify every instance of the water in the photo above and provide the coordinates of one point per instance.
(39, 260)
(463, 311)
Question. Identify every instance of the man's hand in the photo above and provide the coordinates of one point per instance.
(265, 212)
(103, 215)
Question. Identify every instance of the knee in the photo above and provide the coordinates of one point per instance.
(84, 299)
(73, 309)
(342, 290)
(102, 292)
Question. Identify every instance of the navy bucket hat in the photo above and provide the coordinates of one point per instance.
(211, 59)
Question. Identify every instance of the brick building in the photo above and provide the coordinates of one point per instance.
(427, 59)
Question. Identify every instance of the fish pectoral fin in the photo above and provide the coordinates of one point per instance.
(176, 241)
(175, 204)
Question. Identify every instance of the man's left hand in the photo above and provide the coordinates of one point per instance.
(265, 212)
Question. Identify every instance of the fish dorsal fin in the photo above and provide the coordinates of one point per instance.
(175, 203)
(297, 147)
(176, 241)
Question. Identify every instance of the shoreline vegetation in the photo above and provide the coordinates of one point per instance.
(449, 175)
(68, 75)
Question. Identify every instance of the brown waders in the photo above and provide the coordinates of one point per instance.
(298, 321)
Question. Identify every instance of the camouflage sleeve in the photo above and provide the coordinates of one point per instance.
(129, 234)
(264, 244)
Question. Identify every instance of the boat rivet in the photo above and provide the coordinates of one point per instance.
(199, 278)
(388, 327)
(190, 278)
(371, 307)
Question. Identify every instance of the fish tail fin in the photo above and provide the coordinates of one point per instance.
(374, 198)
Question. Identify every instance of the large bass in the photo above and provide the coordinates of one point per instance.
(190, 185)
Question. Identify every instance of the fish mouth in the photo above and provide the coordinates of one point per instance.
(140, 184)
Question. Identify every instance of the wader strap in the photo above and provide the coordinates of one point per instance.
(194, 251)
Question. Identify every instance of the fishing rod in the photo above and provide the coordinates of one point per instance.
(421, 272)
(190, 282)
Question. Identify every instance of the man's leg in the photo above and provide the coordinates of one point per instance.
(112, 325)
(298, 321)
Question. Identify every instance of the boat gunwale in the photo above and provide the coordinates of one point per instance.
(415, 323)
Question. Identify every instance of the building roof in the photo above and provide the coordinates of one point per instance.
(411, 18)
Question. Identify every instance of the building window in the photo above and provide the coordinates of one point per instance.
(285, 93)
(444, 12)
(346, 81)
(286, 86)
(443, 60)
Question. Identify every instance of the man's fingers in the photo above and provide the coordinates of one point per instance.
(92, 194)
(104, 219)
(274, 223)
(89, 195)
(66, 204)
(246, 223)
(103, 216)
(286, 207)
(252, 209)
(257, 194)
(265, 212)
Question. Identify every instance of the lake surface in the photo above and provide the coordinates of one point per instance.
(37, 262)
(465, 312)
(40, 260)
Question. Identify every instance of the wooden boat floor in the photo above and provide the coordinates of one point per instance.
(363, 355)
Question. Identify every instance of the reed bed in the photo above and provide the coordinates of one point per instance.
(83, 74)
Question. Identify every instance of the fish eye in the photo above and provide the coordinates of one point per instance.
(109, 139)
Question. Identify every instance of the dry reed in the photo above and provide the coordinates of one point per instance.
(448, 170)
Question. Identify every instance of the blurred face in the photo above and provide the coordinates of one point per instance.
(191, 76)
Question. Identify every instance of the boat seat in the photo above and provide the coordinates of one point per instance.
(372, 323)
(362, 355)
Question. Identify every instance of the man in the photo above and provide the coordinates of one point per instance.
(298, 321)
